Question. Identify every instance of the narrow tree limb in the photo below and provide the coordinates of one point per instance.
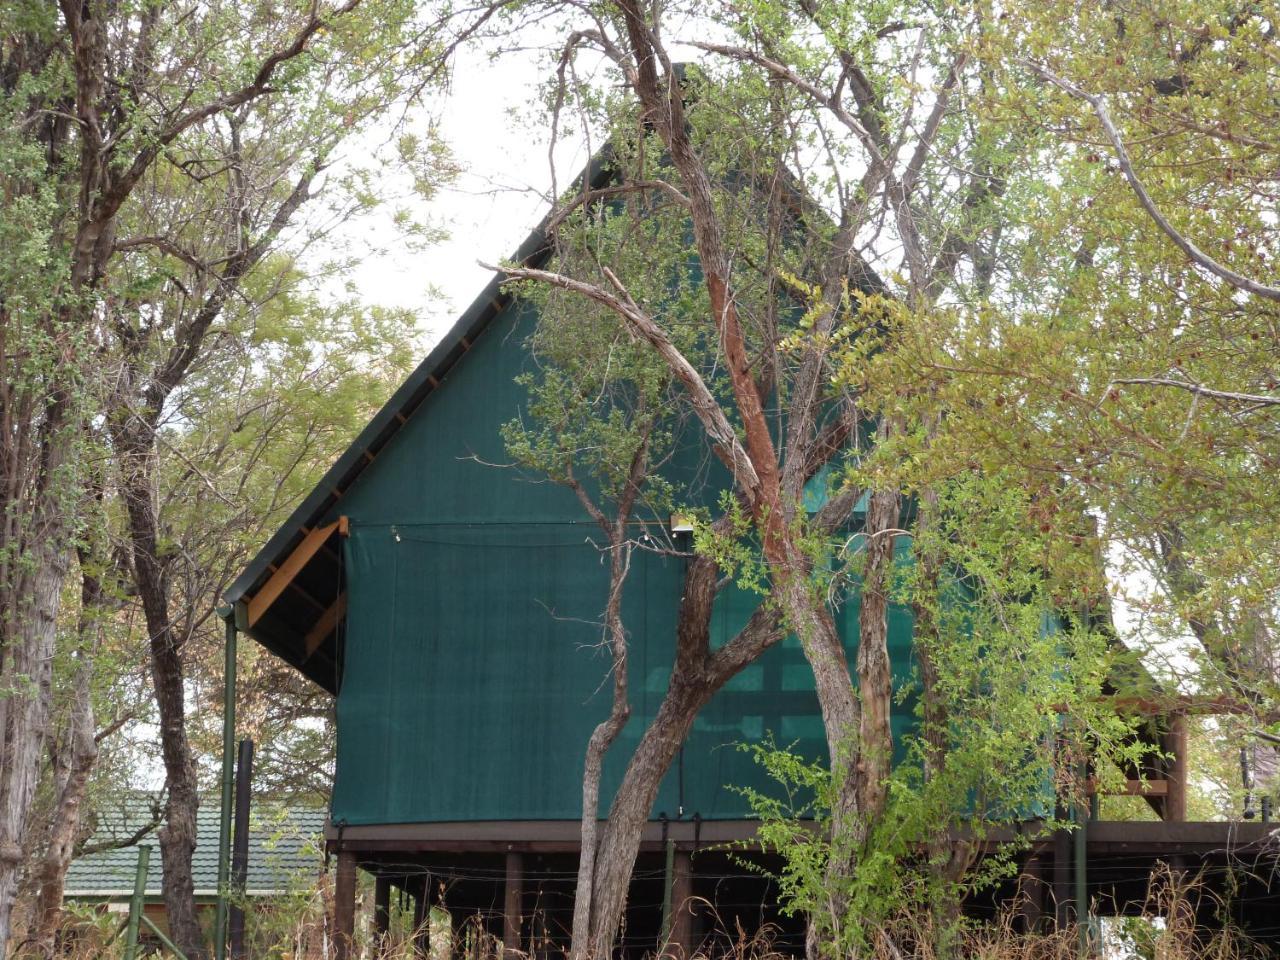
(604, 193)
(829, 100)
(1198, 256)
(934, 122)
(663, 101)
(705, 405)
(108, 203)
(881, 164)
(1256, 399)
(120, 843)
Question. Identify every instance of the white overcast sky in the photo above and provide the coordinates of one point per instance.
(499, 195)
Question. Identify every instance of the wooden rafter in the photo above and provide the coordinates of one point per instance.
(327, 623)
(291, 567)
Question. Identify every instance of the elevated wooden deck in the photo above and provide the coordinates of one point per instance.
(516, 878)
(1159, 837)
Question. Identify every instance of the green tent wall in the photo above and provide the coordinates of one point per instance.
(471, 676)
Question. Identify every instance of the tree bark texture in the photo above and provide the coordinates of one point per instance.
(28, 632)
(602, 738)
(76, 764)
(697, 675)
(134, 447)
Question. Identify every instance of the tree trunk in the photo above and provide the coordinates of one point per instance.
(602, 738)
(615, 855)
(875, 681)
(28, 631)
(135, 450)
(841, 721)
(629, 812)
(26, 720)
(696, 677)
(948, 860)
(81, 755)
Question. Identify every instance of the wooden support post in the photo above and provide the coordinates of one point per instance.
(422, 919)
(1175, 745)
(344, 906)
(512, 906)
(1061, 877)
(680, 943)
(1031, 894)
(381, 911)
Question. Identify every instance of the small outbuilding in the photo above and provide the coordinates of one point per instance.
(286, 853)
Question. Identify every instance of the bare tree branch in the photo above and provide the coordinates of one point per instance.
(1256, 399)
(705, 405)
(1198, 256)
(604, 193)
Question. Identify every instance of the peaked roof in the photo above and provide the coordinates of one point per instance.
(281, 847)
(292, 623)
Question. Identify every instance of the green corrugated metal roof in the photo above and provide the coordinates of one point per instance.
(282, 844)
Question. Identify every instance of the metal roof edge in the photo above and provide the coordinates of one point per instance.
(491, 301)
(157, 893)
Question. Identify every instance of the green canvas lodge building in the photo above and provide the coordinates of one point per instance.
(451, 607)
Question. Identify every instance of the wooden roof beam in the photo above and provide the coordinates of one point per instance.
(291, 567)
(324, 626)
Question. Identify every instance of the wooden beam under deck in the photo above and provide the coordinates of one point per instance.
(561, 836)
(513, 897)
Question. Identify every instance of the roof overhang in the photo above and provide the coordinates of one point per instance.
(291, 597)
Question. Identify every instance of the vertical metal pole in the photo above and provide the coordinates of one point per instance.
(136, 902)
(240, 852)
(1082, 881)
(1082, 871)
(667, 880)
(228, 761)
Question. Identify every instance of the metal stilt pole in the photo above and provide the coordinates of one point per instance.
(228, 778)
(135, 903)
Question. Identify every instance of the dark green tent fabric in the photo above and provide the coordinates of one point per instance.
(473, 677)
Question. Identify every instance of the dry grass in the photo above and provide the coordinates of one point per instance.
(1164, 928)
